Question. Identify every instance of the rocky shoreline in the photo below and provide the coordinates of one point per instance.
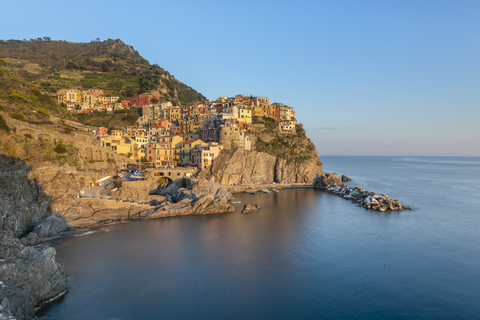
(33, 210)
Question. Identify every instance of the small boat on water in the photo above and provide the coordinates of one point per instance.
(236, 202)
(253, 193)
(266, 191)
(274, 190)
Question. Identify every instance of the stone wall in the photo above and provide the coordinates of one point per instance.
(88, 147)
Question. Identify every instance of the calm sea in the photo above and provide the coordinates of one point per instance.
(305, 255)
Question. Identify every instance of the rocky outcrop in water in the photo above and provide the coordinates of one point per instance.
(204, 197)
(252, 167)
(327, 179)
(345, 179)
(366, 199)
(250, 208)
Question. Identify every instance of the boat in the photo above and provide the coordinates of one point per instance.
(251, 192)
(274, 190)
(266, 191)
(236, 202)
(137, 176)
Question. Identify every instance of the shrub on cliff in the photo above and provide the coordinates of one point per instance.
(42, 111)
(18, 96)
(301, 131)
(59, 148)
(17, 116)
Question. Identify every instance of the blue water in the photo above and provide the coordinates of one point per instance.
(305, 255)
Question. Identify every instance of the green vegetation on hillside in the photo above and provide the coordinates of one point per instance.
(110, 65)
(293, 147)
(119, 119)
(24, 102)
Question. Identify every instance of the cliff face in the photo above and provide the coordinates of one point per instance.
(23, 204)
(29, 275)
(252, 167)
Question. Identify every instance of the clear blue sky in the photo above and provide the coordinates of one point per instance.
(365, 77)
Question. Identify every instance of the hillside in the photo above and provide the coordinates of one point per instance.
(110, 65)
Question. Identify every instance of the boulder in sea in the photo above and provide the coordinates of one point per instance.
(345, 178)
(249, 208)
(328, 179)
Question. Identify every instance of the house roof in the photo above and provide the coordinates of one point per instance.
(190, 141)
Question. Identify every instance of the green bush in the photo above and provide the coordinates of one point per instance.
(43, 111)
(18, 96)
(4, 62)
(301, 131)
(17, 116)
(92, 161)
(59, 148)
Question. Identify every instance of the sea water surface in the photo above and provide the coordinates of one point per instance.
(305, 255)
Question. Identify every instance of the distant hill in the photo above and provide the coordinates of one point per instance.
(110, 65)
(24, 101)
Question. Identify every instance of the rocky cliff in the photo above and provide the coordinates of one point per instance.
(274, 157)
(252, 167)
(36, 206)
(203, 197)
(29, 275)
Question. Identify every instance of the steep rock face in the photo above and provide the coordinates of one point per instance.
(23, 202)
(28, 276)
(252, 167)
(304, 172)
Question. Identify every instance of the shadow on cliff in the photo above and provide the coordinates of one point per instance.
(24, 205)
(30, 276)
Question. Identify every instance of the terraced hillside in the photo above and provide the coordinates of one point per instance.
(110, 65)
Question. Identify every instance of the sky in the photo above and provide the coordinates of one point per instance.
(365, 77)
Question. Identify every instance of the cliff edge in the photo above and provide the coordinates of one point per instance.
(273, 157)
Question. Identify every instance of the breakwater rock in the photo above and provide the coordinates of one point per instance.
(345, 178)
(366, 199)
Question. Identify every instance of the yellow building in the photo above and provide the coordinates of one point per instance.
(245, 118)
(204, 155)
(62, 96)
(165, 152)
(125, 149)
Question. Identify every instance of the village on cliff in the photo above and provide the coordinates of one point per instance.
(168, 136)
